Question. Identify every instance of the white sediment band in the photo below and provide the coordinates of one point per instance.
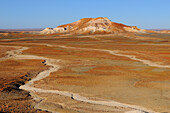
(75, 96)
(115, 52)
(16, 54)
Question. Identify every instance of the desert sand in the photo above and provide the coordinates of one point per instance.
(87, 73)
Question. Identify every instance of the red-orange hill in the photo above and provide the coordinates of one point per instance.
(93, 25)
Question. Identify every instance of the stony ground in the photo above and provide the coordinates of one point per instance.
(89, 72)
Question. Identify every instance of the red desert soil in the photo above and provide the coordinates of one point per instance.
(14, 73)
(100, 68)
(4, 49)
(88, 72)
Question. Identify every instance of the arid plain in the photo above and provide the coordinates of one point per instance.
(87, 73)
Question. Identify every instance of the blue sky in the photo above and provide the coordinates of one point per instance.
(148, 14)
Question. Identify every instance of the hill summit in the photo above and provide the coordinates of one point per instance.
(100, 25)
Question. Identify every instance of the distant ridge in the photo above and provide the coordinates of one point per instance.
(25, 29)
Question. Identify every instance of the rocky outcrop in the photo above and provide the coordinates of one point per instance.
(100, 25)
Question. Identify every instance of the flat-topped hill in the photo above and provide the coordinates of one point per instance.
(100, 25)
